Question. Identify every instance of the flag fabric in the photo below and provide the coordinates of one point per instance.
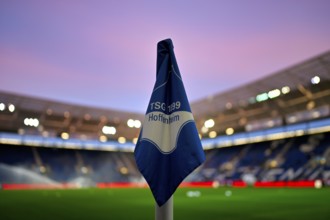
(169, 147)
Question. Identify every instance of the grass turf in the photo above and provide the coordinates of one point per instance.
(138, 204)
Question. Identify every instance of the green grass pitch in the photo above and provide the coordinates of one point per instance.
(138, 204)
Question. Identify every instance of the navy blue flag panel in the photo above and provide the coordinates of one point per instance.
(169, 147)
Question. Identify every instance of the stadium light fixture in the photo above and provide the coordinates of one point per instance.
(130, 123)
(209, 123)
(133, 123)
(33, 122)
(274, 93)
(11, 107)
(2, 106)
(315, 80)
(230, 131)
(103, 138)
(262, 97)
(122, 140)
(212, 134)
(137, 123)
(109, 130)
(65, 135)
(204, 130)
(285, 89)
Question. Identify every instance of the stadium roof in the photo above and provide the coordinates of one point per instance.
(57, 117)
(305, 86)
(294, 77)
(295, 94)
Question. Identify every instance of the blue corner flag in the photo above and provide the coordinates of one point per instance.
(169, 147)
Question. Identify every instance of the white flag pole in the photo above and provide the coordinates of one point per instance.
(165, 212)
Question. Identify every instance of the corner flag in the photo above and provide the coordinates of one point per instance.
(169, 147)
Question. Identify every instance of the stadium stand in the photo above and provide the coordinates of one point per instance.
(83, 167)
(300, 158)
(292, 159)
(273, 129)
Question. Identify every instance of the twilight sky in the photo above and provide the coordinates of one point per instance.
(102, 53)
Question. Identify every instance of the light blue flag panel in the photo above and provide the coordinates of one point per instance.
(169, 147)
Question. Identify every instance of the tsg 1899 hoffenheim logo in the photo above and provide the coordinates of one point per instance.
(163, 124)
(169, 126)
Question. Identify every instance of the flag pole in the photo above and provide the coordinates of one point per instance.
(165, 212)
